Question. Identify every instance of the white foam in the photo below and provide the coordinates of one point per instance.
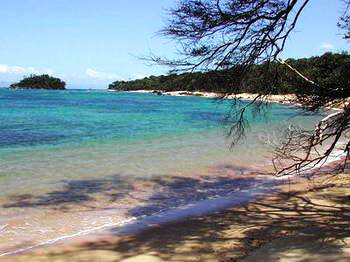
(80, 233)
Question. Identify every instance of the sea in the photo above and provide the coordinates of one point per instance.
(77, 161)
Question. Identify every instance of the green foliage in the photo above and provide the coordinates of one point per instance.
(40, 82)
(331, 71)
(216, 81)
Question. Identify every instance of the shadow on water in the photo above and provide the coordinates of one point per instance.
(210, 237)
(71, 192)
(179, 191)
(149, 195)
(305, 225)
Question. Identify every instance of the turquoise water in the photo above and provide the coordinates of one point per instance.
(72, 160)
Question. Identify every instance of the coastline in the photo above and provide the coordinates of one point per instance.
(287, 98)
(303, 211)
(136, 224)
(266, 186)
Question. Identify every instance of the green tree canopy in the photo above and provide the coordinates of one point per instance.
(329, 70)
(40, 82)
(248, 36)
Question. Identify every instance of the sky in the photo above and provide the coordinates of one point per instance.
(91, 43)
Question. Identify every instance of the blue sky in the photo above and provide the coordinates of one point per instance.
(90, 43)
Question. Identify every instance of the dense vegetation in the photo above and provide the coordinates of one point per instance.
(250, 37)
(40, 82)
(329, 69)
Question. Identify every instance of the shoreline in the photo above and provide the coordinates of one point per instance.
(183, 239)
(135, 226)
(288, 99)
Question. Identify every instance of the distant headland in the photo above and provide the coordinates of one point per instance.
(326, 68)
(39, 82)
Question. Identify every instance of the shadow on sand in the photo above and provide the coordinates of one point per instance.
(323, 223)
(311, 222)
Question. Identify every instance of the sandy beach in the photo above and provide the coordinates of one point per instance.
(286, 98)
(308, 220)
(283, 99)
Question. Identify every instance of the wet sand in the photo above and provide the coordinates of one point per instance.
(34, 221)
(307, 221)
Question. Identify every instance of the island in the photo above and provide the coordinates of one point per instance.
(40, 82)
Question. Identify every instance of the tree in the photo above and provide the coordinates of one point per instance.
(241, 34)
(323, 68)
(40, 82)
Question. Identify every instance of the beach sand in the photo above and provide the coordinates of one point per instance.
(309, 220)
(287, 98)
(283, 99)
